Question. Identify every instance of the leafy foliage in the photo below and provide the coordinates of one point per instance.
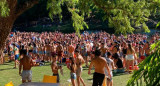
(123, 15)
(54, 7)
(149, 69)
(4, 10)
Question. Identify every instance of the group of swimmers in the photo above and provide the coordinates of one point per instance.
(105, 51)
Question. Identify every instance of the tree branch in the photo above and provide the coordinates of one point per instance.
(107, 9)
(24, 6)
(12, 3)
(97, 4)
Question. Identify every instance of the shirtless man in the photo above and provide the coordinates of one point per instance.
(16, 54)
(53, 50)
(79, 62)
(26, 62)
(55, 67)
(59, 51)
(71, 50)
(103, 50)
(99, 63)
(48, 52)
(147, 49)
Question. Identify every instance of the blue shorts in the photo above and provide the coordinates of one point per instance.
(35, 51)
(73, 75)
(16, 57)
(40, 52)
(44, 52)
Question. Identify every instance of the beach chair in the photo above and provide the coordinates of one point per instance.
(9, 84)
(49, 79)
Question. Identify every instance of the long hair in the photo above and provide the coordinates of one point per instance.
(72, 60)
(130, 47)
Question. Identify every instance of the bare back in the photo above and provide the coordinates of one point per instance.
(26, 62)
(99, 63)
(79, 61)
(54, 67)
(59, 48)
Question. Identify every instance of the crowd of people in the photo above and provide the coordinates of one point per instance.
(106, 52)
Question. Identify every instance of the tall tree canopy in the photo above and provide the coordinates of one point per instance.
(123, 15)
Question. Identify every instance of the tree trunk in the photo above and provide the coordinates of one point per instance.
(5, 28)
(6, 23)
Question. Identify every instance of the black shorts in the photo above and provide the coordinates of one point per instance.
(98, 79)
(57, 77)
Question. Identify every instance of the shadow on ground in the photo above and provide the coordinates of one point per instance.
(6, 69)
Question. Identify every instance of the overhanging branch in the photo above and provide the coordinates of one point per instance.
(24, 6)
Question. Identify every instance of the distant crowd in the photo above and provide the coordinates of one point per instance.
(106, 52)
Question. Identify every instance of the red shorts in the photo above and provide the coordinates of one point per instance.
(60, 53)
(142, 57)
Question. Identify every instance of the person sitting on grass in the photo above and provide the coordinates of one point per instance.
(118, 63)
(27, 63)
(55, 67)
(73, 69)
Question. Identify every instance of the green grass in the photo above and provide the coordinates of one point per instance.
(7, 74)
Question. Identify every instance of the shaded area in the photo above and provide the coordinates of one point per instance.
(6, 69)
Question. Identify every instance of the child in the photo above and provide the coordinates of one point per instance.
(111, 67)
(72, 68)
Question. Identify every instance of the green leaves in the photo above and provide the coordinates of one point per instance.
(54, 7)
(149, 70)
(158, 24)
(123, 15)
(78, 21)
(4, 10)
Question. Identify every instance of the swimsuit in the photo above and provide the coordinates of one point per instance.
(57, 77)
(27, 75)
(73, 75)
(98, 79)
(79, 70)
(129, 57)
(60, 53)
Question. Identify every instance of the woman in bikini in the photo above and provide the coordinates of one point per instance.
(72, 68)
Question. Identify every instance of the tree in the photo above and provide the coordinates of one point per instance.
(123, 15)
(149, 72)
(10, 10)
